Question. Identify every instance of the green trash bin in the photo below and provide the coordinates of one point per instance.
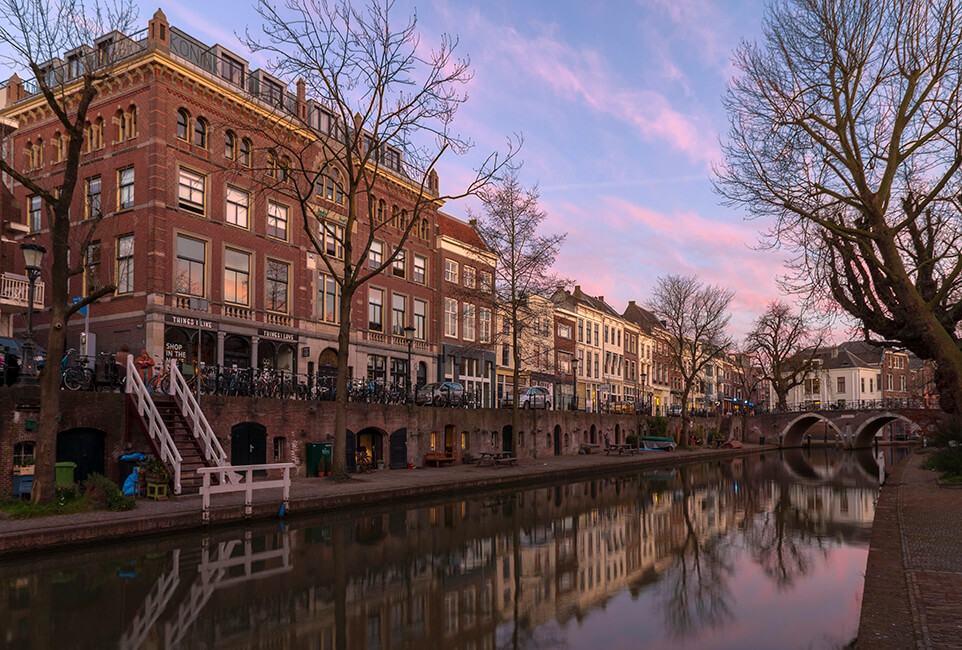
(313, 458)
(65, 471)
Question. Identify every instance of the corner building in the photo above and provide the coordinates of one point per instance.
(207, 262)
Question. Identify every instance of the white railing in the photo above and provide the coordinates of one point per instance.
(16, 288)
(213, 452)
(156, 428)
(246, 485)
(152, 607)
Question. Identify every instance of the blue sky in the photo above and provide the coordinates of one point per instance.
(620, 107)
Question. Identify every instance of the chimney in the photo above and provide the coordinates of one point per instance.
(631, 303)
(835, 352)
(301, 99)
(601, 298)
(473, 223)
(159, 30)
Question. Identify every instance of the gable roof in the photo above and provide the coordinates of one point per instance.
(461, 231)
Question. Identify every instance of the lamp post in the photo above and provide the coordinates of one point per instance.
(574, 384)
(32, 257)
(409, 335)
(644, 390)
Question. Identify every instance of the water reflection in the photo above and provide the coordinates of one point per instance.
(652, 558)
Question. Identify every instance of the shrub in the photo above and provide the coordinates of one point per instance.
(104, 494)
(658, 426)
(947, 459)
(632, 439)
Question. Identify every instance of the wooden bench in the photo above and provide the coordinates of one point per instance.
(438, 457)
(507, 460)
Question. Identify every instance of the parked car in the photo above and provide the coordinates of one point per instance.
(447, 393)
(675, 411)
(535, 397)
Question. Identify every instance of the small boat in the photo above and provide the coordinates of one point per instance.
(658, 443)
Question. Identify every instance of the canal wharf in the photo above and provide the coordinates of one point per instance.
(318, 495)
(913, 579)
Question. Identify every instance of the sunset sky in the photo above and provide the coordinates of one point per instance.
(620, 107)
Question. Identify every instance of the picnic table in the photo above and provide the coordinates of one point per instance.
(621, 449)
(497, 458)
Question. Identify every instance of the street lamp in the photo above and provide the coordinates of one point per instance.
(574, 384)
(409, 335)
(644, 390)
(32, 257)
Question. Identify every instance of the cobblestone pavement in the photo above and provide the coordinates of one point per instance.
(318, 494)
(913, 582)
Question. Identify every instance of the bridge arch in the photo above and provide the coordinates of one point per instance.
(793, 433)
(865, 434)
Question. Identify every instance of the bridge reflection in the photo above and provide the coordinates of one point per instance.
(506, 569)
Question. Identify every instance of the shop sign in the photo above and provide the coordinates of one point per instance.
(279, 336)
(193, 323)
(176, 351)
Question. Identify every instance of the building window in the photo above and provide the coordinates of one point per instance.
(469, 277)
(486, 285)
(230, 145)
(273, 93)
(375, 255)
(564, 331)
(331, 187)
(92, 268)
(484, 325)
(280, 450)
(231, 70)
(423, 229)
(92, 200)
(191, 262)
(126, 126)
(276, 220)
(277, 273)
(125, 264)
(420, 319)
(237, 274)
(840, 388)
(33, 216)
(125, 188)
(451, 271)
(23, 454)
(183, 124)
(328, 298)
(244, 153)
(420, 269)
(450, 317)
(597, 339)
(375, 310)
(399, 265)
(238, 206)
(333, 240)
(469, 322)
(200, 133)
(398, 314)
(190, 191)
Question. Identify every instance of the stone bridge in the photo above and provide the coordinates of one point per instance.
(854, 428)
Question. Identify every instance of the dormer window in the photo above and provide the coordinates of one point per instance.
(74, 68)
(232, 70)
(273, 93)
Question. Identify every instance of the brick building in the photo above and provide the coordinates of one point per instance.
(209, 261)
(466, 303)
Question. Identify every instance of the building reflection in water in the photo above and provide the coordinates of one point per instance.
(506, 570)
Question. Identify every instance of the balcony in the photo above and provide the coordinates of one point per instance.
(14, 290)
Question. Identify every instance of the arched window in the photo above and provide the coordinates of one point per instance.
(38, 154)
(57, 147)
(423, 229)
(271, 164)
(183, 124)
(131, 117)
(97, 134)
(245, 152)
(404, 220)
(200, 133)
(229, 145)
(381, 206)
(338, 187)
(395, 215)
(284, 170)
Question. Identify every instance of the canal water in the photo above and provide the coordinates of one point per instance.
(765, 551)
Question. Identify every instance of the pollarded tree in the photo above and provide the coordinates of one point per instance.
(783, 344)
(509, 225)
(383, 119)
(696, 317)
(34, 34)
(846, 132)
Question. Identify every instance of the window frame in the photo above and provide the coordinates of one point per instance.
(420, 321)
(124, 260)
(188, 203)
(35, 213)
(228, 205)
(451, 318)
(177, 257)
(375, 309)
(123, 189)
(88, 183)
(397, 327)
(237, 272)
(200, 134)
(399, 265)
(183, 131)
(423, 270)
(375, 259)
(451, 268)
(269, 303)
(286, 220)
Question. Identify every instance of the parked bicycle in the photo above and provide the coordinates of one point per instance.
(75, 373)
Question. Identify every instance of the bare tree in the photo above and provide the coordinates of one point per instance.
(384, 120)
(747, 377)
(509, 227)
(845, 130)
(696, 317)
(783, 344)
(34, 34)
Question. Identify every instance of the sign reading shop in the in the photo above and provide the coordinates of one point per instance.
(278, 336)
(188, 321)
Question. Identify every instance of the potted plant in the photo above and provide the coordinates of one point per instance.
(24, 467)
(155, 471)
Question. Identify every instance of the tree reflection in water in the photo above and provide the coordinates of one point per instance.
(537, 568)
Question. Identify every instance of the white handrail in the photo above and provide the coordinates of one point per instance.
(247, 486)
(156, 428)
(209, 444)
(153, 606)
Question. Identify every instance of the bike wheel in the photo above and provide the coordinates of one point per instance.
(164, 384)
(73, 379)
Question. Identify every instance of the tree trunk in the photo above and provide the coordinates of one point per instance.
(339, 462)
(46, 453)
